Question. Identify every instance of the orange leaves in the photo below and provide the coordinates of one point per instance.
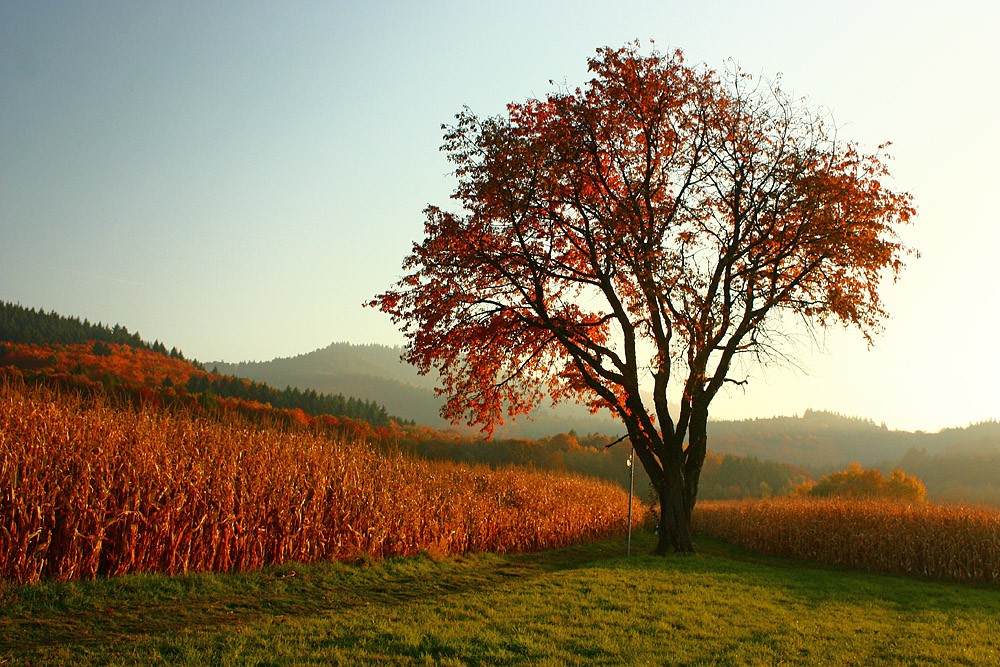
(132, 365)
(657, 220)
(560, 248)
(857, 482)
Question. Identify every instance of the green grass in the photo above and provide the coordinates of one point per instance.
(580, 606)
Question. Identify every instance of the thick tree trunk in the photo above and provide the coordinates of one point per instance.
(695, 458)
(666, 471)
(675, 524)
(678, 488)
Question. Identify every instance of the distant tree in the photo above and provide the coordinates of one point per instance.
(858, 482)
(101, 349)
(660, 220)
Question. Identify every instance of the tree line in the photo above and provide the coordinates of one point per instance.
(598, 455)
(37, 327)
(309, 401)
(24, 326)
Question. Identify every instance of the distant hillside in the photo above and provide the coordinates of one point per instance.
(958, 464)
(381, 361)
(823, 441)
(78, 353)
(36, 327)
(376, 372)
(820, 441)
(817, 439)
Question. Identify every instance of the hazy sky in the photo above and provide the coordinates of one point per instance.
(235, 179)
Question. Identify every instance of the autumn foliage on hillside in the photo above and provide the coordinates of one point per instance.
(113, 362)
(88, 488)
(145, 375)
(77, 354)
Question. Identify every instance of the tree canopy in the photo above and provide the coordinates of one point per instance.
(636, 236)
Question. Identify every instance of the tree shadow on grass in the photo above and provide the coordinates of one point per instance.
(816, 584)
(142, 608)
(95, 612)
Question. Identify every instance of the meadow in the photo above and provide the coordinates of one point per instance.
(580, 605)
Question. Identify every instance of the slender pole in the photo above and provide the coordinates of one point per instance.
(631, 486)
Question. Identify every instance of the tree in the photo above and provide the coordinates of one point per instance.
(857, 482)
(101, 349)
(638, 236)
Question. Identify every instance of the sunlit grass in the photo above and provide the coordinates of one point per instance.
(585, 605)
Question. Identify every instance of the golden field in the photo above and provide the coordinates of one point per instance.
(938, 541)
(90, 489)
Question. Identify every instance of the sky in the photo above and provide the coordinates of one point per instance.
(236, 179)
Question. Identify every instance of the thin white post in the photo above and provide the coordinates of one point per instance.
(631, 486)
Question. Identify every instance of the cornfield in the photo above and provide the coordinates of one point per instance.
(943, 542)
(88, 489)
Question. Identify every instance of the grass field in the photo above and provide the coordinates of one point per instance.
(585, 605)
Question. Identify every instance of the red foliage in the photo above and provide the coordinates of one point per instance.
(144, 377)
(129, 365)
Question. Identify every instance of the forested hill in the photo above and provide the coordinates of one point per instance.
(823, 440)
(376, 372)
(47, 343)
(958, 464)
(380, 361)
(369, 372)
(36, 327)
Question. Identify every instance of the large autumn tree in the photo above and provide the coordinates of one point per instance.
(633, 239)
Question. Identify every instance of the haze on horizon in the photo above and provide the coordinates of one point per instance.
(236, 182)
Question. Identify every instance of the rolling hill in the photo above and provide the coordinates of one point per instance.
(955, 463)
(369, 371)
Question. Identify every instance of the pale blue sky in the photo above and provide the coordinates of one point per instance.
(236, 179)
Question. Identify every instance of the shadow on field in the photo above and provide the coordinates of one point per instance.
(123, 608)
(81, 616)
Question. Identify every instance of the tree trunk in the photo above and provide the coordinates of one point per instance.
(675, 524)
(666, 471)
(694, 458)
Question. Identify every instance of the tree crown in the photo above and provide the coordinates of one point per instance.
(662, 217)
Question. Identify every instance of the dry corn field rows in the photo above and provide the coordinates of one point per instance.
(943, 542)
(86, 489)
